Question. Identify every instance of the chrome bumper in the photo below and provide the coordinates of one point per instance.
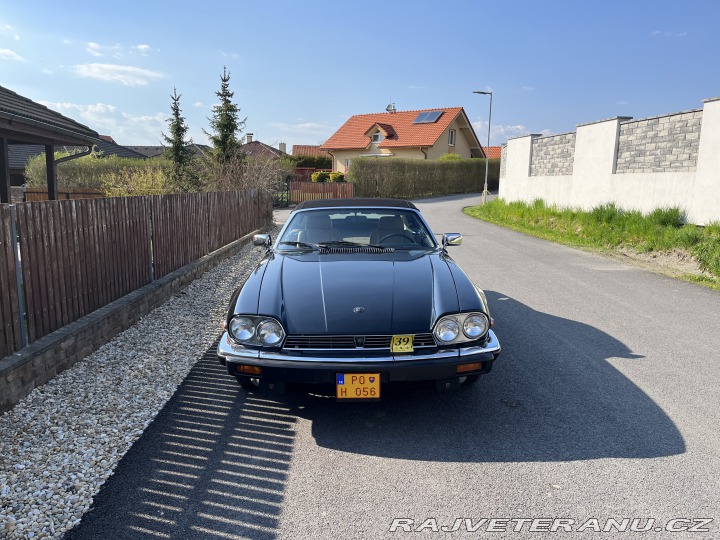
(237, 354)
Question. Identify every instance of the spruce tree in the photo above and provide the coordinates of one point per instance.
(177, 150)
(225, 122)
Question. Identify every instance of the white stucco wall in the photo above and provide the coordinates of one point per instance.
(594, 180)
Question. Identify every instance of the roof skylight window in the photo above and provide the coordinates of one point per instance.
(428, 117)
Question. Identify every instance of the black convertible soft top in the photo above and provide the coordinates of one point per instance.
(355, 202)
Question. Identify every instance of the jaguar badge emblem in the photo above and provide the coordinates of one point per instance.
(359, 309)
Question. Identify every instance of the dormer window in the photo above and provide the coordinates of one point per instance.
(377, 137)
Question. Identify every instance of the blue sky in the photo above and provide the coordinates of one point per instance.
(300, 69)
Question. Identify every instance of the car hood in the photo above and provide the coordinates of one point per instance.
(387, 293)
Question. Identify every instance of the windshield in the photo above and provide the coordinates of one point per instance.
(385, 227)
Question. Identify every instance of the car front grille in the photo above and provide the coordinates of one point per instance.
(367, 343)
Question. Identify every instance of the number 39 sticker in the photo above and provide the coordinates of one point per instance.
(401, 344)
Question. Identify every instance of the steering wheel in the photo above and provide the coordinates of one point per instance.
(402, 235)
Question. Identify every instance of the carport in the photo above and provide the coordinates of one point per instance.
(22, 121)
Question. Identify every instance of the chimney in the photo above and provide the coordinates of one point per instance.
(283, 148)
(248, 138)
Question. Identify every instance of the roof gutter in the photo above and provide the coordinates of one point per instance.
(74, 156)
(424, 152)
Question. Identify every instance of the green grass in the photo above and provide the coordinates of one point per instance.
(610, 228)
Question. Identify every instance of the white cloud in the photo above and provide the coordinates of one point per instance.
(143, 129)
(623, 103)
(7, 54)
(126, 75)
(199, 104)
(47, 71)
(98, 116)
(661, 33)
(95, 49)
(499, 134)
(142, 49)
(9, 30)
(126, 128)
(229, 55)
(527, 88)
(304, 128)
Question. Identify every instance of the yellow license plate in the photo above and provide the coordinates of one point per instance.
(401, 344)
(357, 386)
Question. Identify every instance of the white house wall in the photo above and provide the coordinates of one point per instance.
(672, 160)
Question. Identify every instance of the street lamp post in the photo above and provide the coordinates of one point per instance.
(487, 158)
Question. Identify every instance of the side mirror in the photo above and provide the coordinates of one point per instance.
(262, 240)
(451, 239)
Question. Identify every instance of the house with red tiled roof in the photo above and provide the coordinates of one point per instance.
(308, 150)
(493, 152)
(421, 134)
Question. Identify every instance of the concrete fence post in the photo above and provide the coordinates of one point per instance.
(705, 192)
(596, 146)
(516, 183)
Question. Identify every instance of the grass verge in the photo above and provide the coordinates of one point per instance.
(610, 229)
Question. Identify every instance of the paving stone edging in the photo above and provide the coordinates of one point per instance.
(40, 361)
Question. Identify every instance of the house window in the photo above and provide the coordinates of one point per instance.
(451, 138)
(347, 164)
(377, 137)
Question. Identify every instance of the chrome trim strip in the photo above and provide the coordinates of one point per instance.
(235, 353)
(492, 346)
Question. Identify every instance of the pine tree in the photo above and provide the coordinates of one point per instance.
(225, 122)
(177, 150)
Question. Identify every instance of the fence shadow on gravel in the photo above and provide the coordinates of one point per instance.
(213, 464)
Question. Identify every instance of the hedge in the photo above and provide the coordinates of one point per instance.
(412, 178)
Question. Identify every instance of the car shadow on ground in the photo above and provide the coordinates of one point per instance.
(552, 396)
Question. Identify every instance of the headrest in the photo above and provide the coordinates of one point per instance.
(318, 221)
(391, 222)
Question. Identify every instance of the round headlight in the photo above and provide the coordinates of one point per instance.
(447, 330)
(475, 326)
(270, 332)
(242, 328)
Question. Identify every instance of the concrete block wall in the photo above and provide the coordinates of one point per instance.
(661, 144)
(553, 156)
(659, 162)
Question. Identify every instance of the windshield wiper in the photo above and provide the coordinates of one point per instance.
(346, 243)
(303, 245)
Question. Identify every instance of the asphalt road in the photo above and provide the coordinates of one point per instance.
(605, 403)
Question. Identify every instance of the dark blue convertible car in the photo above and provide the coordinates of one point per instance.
(357, 293)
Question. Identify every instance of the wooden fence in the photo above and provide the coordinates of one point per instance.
(79, 255)
(312, 191)
(10, 328)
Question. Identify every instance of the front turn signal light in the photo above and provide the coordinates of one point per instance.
(251, 370)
